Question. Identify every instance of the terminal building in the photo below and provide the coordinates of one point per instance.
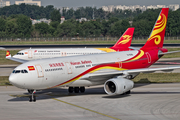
(29, 2)
(4, 3)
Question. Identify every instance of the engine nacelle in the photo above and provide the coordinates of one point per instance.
(118, 86)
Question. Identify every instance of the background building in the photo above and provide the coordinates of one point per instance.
(111, 8)
(4, 3)
(30, 2)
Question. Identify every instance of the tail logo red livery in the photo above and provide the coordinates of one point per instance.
(126, 39)
(7, 53)
(156, 37)
(31, 68)
(159, 27)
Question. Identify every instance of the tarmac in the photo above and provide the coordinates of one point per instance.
(146, 102)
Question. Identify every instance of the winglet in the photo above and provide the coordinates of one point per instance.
(8, 54)
(156, 38)
(124, 41)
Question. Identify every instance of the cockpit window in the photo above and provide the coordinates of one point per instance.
(19, 71)
(22, 71)
(20, 54)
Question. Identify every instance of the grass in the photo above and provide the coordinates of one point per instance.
(75, 42)
(141, 78)
(157, 78)
(4, 61)
(55, 42)
(4, 81)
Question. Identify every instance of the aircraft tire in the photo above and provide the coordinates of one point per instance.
(71, 89)
(82, 89)
(34, 100)
(76, 89)
(30, 99)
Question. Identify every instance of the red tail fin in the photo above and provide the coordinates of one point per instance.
(125, 40)
(156, 38)
(8, 54)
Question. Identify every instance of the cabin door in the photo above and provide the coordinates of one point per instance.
(120, 63)
(30, 54)
(69, 68)
(39, 71)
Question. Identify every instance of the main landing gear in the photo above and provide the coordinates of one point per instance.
(127, 93)
(76, 89)
(32, 98)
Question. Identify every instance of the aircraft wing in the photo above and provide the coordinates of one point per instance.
(17, 60)
(112, 74)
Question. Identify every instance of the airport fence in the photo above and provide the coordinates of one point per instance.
(78, 39)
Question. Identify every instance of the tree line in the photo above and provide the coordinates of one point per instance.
(107, 24)
(36, 12)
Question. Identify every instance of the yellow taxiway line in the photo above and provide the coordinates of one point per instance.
(86, 109)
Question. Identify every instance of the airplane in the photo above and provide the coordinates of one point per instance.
(122, 44)
(115, 70)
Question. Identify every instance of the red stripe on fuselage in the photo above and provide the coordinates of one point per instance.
(136, 64)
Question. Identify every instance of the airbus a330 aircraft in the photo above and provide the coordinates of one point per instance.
(114, 70)
(122, 44)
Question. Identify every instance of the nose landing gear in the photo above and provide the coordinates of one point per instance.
(32, 98)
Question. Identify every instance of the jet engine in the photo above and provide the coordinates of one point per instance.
(116, 86)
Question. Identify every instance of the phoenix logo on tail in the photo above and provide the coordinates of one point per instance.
(156, 38)
(125, 41)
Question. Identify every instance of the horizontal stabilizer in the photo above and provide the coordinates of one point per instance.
(168, 52)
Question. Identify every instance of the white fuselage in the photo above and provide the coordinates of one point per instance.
(65, 71)
(33, 54)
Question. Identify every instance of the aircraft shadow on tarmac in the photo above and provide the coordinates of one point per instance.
(63, 92)
(56, 93)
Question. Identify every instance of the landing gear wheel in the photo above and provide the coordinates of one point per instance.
(82, 89)
(76, 89)
(71, 89)
(128, 92)
(32, 98)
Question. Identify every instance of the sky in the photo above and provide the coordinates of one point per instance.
(99, 3)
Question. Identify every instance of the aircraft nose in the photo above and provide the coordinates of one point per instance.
(14, 81)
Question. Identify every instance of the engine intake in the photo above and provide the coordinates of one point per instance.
(116, 86)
